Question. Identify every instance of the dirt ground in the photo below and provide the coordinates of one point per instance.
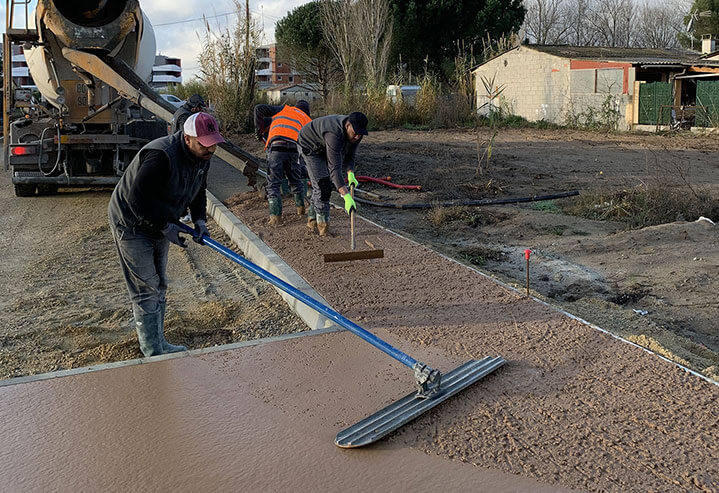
(63, 301)
(654, 286)
(573, 407)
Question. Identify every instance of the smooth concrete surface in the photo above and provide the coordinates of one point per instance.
(258, 418)
(255, 250)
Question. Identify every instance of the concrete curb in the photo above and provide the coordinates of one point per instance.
(255, 250)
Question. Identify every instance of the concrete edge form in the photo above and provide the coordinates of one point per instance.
(553, 307)
(154, 359)
(257, 251)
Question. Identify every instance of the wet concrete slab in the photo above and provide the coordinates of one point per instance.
(258, 418)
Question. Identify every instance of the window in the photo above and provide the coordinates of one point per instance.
(279, 77)
(291, 78)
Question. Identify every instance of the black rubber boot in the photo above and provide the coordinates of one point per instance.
(147, 327)
(166, 346)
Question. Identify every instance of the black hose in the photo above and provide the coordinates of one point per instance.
(39, 154)
(470, 203)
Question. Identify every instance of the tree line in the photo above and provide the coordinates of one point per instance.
(354, 48)
(351, 42)
(620, 23)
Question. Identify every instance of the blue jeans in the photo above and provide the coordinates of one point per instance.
(144, 263)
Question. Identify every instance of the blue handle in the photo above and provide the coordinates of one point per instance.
(307, 300)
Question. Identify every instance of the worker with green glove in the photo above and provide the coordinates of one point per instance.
(328, 146)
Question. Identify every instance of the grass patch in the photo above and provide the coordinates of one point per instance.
(415, 126)
(546, 206)
(645, 205)
(557, 230)
(515, 121)
(470, 216)
(480, 255)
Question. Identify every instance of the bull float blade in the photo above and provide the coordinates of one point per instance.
(385, 421)
(356, 255)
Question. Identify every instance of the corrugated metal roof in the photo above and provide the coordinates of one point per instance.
(649, 56)
(635, 56)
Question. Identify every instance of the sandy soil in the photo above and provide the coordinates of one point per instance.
(654, 286)
(573, 407)
(63, 302)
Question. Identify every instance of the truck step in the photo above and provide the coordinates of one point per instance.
(28, 174)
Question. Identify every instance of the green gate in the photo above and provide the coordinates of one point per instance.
(652, 95)
(708, 97)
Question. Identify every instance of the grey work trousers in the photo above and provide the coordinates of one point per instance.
(322, 187)
(144, 264)
(281, 164)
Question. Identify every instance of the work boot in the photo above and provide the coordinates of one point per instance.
(312, 224)
(275, 206)
(322, 228)
(300, 203)
(147, 326)
(274, 221)
(166, 346)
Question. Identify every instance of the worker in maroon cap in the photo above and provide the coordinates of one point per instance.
(167, 176)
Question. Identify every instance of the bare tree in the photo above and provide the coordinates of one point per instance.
(618, 23)
(545, 21)
(614, 21)
(227, 68)
(338, 21)
(372, 33)
(316, 67)
(659, 26)
(580, 31)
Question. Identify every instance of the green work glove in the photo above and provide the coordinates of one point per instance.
(349, 203)
(351, 179)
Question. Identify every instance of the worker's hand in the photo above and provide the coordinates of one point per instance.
(352, 179)
(172, 232)
(200, 231)
(349, 203)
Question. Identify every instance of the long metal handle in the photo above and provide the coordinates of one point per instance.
(352, 220)
(308, 300)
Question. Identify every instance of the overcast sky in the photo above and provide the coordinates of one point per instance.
(180, 39)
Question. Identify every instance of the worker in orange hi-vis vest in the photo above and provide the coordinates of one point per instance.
(279, 127)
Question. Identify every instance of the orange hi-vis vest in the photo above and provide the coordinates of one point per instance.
(287, 124)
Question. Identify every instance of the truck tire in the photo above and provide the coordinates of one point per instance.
(24, 190)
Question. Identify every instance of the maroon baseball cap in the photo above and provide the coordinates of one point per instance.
(205, 128)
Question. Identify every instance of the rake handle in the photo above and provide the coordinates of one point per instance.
(352, 220)
(328, 312)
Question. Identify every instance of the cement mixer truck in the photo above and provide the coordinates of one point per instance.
(90, 61)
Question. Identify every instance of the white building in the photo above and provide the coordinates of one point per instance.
(291, 93)
(166, 72)
(641, 86)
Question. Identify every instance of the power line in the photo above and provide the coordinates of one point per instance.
(224, 14)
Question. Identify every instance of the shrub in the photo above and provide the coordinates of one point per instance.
(645, 205)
